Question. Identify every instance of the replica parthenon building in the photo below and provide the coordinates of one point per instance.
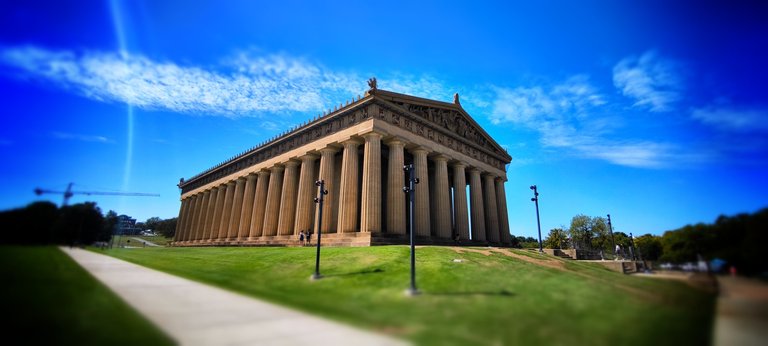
(265, 196)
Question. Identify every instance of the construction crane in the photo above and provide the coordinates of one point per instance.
(69, 193)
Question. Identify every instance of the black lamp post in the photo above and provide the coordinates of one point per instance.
(632, 246)
(613, 241)
(321, 191)
(535, 199)
(409, 191)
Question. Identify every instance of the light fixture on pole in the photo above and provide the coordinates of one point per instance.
(409, 192)
(538, 223)
(321, 191)
(613, 241)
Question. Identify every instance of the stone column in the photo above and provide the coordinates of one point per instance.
(370, 208)
(348, 189)
(205, 195)
(395, 184)
(476, 204)
(259, 205)
(442, 198)
(187, 216)
(218, 211)
(209, 211)
(288, 205)
(237, 208)
(326, 174)
(272, 210)
(421, 195)
(245, 215)
(229, 196)
(193, 210)
(182, 219)
(196, 221)
(491, 210)
(501, 203)
(460, 212)
(305, 198)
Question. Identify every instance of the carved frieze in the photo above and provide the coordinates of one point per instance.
(447, 127)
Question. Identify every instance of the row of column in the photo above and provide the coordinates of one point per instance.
(265, 203)
(279, 201)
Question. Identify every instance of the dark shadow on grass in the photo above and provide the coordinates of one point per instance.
(361, 272)
(501, 293)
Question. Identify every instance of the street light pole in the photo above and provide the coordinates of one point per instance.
(538, 222)
(321, 191)
(409, 191)
(613, 240)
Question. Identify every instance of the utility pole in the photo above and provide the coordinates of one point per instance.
(538, 223)
(409, 191)
(321, 191)
(613, 241)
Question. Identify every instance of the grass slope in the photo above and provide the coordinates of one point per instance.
(47, 299)
(489, 298)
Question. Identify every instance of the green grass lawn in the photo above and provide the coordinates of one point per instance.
(47, 299)
(494, 299)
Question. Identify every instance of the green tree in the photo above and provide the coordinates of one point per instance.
(556, 239)
(166, 228)
(580, 231)
(32, 224)
(110, 222)
(601, 235)
(527, 242)
(649, 246)
(151, 223)
(80, 223)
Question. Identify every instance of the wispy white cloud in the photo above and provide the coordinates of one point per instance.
(423, 86)
(270, 126)
(244, 84)
(566, 117)
(653, 82)
(81, 137)
(729, 119)
(535, 104)
(639, 154)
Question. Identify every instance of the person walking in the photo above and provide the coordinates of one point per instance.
(617, 252)
(301, 238)
(309, 237)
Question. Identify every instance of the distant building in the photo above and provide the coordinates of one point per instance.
(264, 196)
(126, 225)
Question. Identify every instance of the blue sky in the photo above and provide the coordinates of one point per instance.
(653, 112)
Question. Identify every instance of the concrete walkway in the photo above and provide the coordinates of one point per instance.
(197, 314)
(149, 243)
(742, 312)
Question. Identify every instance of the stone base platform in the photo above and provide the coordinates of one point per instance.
(339, 239)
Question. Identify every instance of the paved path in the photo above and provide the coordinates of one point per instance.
(149, 243)
(742, 312)
(197, 314)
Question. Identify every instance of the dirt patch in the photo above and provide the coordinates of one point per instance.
(461, 250)
(559, 264)
(550, 263)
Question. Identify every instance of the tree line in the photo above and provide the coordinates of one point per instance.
(738, 240)
(83, 223)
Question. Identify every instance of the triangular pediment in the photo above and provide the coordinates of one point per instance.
(450, 116)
